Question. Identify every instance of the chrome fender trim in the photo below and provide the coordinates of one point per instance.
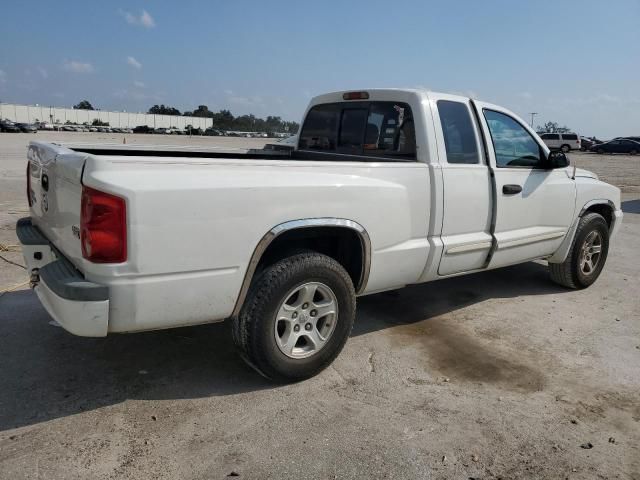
(278, 230)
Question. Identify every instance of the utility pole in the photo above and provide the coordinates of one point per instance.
(532, 115)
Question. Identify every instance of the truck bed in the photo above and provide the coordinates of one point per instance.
(200, 151)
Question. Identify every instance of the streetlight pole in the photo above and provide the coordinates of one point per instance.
(532, 115)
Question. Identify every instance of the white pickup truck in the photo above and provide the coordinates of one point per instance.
(383, 188)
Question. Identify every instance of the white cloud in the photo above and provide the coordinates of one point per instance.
(147, 20)
(135, 95)
(235, 99)
(3, 76)
(144, 20)
(43, 72)
(138, 84)
(134, 63)
(77, 67)
(525, 95)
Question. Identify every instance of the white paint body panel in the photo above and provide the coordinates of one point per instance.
(194, 223)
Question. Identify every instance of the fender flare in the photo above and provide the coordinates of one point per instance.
(561, 253)
(281, 228)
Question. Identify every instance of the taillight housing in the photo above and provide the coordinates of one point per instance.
(29, 184)
(103, 227)
(355, 96)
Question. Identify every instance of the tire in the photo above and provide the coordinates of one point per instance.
(565, 148)
(572, 273)
(260, 336)
(600, 151)
(633, 152)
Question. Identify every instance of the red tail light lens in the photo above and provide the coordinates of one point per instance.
(29, 184)
(103, 227)
(355, 96)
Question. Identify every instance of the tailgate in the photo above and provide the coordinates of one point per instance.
(55, 174)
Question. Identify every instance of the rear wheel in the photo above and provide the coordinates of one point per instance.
(565, 148)
(587, 255)
(297, 317)
(633, 152)
(601, 151)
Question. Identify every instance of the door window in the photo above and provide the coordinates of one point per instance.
(550, 136)
(513, 144)
(459, 133)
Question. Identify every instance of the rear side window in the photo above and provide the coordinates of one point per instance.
(570, 136)
(384, 129)
(550, 136)
(459, 133)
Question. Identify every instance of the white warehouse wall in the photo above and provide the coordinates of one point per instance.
(29, 114)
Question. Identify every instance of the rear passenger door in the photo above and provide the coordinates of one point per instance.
(467, 193)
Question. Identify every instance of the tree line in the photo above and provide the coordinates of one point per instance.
(223, 120)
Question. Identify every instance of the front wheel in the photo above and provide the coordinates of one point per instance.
(297, 317)
(587, 255)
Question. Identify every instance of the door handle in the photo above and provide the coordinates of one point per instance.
(511, 189)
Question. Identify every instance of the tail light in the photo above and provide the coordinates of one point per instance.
(29, 199)
(355, 96)
(103, 227)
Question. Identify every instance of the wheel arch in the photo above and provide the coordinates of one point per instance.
(603, 207)
(320, 234)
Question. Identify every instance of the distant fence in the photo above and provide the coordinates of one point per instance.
(33, 113)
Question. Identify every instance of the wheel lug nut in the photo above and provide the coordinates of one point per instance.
(305, 305)
(313, 313)
(307, 327)
(294, 315)
(296, 328)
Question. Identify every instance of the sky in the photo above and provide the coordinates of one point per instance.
(574, 62)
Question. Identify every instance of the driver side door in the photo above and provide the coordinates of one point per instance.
(534, 204)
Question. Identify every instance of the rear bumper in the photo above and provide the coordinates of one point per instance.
(80, 306)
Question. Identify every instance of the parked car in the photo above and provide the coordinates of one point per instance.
(44, 126)
(142, 129)
(586, 143)
(160, 130)
(561, 141)
(282, 242)
(211, 132)
(9, 127)
(27, 127)
(619, 145)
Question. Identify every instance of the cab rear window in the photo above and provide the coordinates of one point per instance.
(368, 129)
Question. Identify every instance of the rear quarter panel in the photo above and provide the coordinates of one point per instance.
(193, 226)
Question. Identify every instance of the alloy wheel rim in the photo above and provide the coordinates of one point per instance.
(590, 252)
(305, 320)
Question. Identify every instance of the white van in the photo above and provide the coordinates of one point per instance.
(561, 141)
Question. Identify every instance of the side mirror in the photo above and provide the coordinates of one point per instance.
(557, 159)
